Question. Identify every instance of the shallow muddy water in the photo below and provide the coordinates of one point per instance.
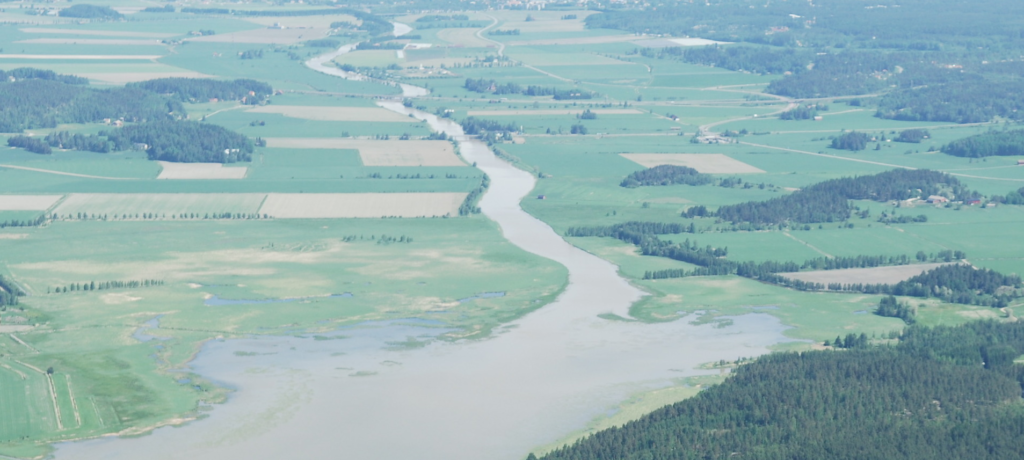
(386, 391)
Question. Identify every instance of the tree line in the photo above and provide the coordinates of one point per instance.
(104, 285)
(944, 392)
(469, 205)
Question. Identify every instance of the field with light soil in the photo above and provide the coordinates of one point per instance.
(200, 171)
(163, 205)
(710, 163)
(27, 202)
(322, 113)
(361, 205)
(380, 153)
(876, 275)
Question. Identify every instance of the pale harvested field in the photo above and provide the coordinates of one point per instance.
(575, 40)
(334, 113)
(464, 37)
(100, 33)
(125, 57)
(27, 202)
(266, 36)
(498, 113)
(131, 77)
(361, 205)
(877, 275)
(90, 41)
(200, 171)
(709, 163)
(671, 42)
(323, 22)
(13, 236)
(379, 153)
(164, 204)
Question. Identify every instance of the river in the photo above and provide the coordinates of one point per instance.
(533, 382)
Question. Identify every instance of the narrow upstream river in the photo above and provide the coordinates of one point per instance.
(533, 382)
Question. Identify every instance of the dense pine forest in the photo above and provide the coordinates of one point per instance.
(247, 91)
(33, 103)
(481, 85)
(974, 101)
(9, 292)
(946, 392)
(666, 175)
(83, 10)
(954, 283)
(43, 99)
(828, 201)
(183, 141)
(992, 143)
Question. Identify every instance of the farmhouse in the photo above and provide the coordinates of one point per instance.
(937, 199)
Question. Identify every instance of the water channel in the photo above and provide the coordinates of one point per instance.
(369, 395)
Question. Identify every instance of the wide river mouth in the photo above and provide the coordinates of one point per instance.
(533, 382)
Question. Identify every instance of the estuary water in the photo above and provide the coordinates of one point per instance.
(386, 391)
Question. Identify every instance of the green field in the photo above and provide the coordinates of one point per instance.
(320, 274)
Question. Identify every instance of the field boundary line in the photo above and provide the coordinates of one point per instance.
(20, 373)
(53, 397)
(53, 391)
(822, 155)
(16, 339)
(74, 404)
(819, 251)
(61, 173)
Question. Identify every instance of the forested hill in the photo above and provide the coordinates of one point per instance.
(44, 103)
(248, 91)
(883, 24)
(184, 142)
(827, 201)
(934, 60)
(993, 143)
(948, 392)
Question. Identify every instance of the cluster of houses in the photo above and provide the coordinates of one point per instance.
(940, 200)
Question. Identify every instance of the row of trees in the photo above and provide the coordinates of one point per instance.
(469, 205)
(946, 392)
(104, 285)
